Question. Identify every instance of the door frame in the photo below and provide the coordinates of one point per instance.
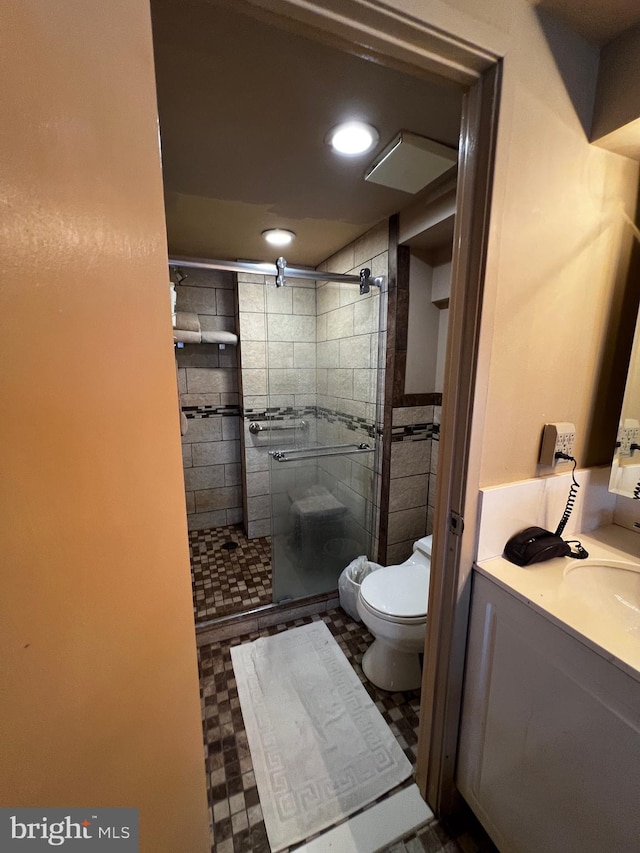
(376, 31)
(458, 480)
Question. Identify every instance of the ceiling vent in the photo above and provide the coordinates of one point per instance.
(411, 162)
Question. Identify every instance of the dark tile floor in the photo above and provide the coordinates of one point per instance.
(236, 816)
(229, 573)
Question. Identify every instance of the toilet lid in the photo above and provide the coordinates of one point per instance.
(398, 590)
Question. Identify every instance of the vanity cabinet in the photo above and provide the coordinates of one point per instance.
(549, 754)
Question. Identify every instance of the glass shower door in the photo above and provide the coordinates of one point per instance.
(322, 447)
(323, 509)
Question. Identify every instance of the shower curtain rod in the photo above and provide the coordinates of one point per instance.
(278, 270)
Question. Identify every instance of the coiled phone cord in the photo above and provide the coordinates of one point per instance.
(573, 493)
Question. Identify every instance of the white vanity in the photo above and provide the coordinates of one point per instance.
(549, 755)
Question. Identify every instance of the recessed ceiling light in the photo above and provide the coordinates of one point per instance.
(352, 138)
(278, 236)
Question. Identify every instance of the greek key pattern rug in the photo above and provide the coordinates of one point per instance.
(320, 748)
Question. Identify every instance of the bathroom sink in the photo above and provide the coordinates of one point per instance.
(610, 588)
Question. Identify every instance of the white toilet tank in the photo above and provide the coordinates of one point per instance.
(421, 550)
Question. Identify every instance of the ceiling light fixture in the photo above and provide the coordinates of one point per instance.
(353, 138)
(278, 236)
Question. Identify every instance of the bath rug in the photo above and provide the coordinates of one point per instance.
(320, 748)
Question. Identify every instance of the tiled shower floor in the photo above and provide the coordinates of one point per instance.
(236, 815)
(227, 579)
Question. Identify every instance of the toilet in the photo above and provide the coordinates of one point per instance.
(392, 603)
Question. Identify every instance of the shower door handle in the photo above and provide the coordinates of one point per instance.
(294, 454)
(255, 426)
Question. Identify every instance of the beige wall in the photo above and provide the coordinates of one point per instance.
(100, 699)
(554, 258)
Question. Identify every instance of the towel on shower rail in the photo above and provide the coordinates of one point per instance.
(187, 321)
(182, 337)
(218, 337)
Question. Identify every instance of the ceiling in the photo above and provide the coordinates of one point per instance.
(244, 109)
(598, 21)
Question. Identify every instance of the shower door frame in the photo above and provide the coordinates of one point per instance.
(378, 31)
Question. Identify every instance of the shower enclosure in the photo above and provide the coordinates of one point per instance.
(309, 351)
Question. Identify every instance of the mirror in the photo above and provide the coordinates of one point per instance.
(625, 470)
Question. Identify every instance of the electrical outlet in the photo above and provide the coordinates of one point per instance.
(556, 438)
(628, 436)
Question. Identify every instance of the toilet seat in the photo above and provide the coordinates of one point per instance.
(397, 593)
(409, 621)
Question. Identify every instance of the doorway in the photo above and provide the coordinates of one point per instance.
(426, 52)
(243, 135)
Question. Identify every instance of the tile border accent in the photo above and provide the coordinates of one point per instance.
(321, 413)
(197, 412)
(278, 413)
(413, 432)
(351, 422)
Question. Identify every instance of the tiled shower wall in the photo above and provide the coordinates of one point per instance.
(313, 348)
(414, 464)
(278, 353)
(208, 386)
(314, 345)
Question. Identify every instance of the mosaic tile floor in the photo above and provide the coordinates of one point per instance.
(236, 816)
(229, 573)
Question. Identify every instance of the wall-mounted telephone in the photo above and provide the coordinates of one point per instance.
(535, 544)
